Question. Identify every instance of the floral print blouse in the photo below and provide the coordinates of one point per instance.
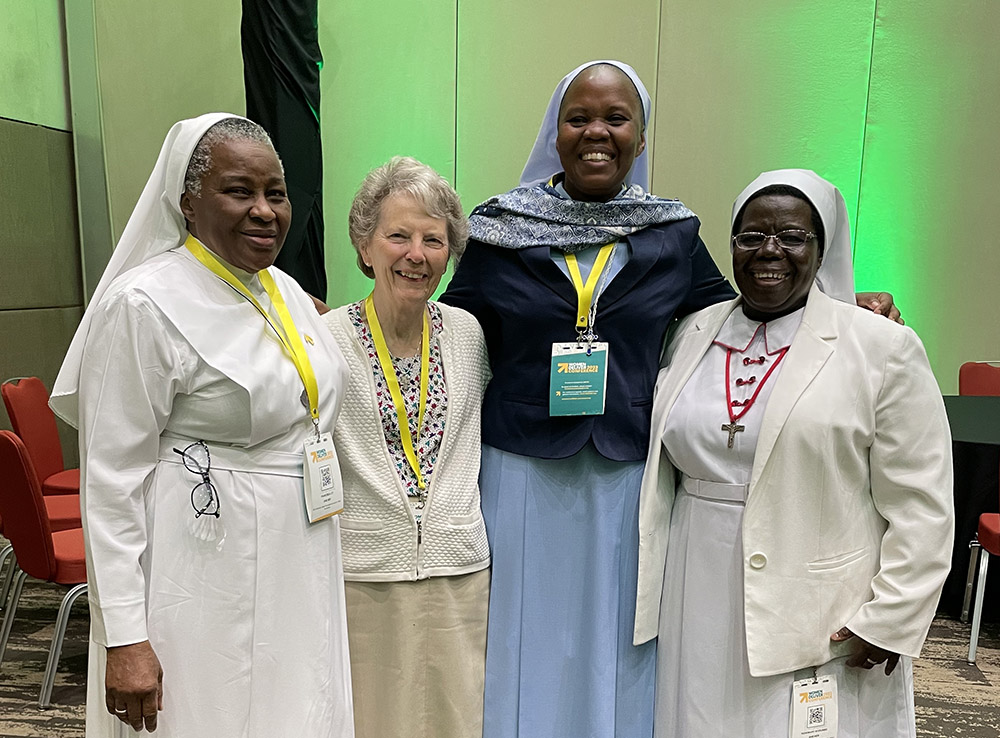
(427, 441)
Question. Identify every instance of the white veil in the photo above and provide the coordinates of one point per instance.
(155, 226)
(836, 274)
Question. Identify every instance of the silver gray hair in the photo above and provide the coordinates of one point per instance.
(228, 129)
(404, 175)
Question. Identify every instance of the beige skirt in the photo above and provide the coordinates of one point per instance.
(418, 656)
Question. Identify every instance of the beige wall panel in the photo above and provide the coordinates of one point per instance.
(39, 246)
(159, 63)
(42, 339)
(747, 87)
(511, 56)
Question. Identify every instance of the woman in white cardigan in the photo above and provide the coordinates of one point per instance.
(803, 446)
(414, 541)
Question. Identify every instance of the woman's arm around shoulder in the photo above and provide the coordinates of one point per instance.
(708, 285)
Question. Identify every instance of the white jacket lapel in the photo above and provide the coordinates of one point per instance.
(812, 346)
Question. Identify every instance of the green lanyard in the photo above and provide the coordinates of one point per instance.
(389, 371)
(288, 335)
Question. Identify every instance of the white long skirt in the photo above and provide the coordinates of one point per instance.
(703, 684)
(250, 629)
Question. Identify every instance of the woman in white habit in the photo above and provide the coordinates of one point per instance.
(803, 446)
(217, 607)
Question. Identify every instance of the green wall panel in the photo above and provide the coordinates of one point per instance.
(388, 88)
(928, 220)
(33, 86)
(158, 64)
(39, 247)
(748, 87)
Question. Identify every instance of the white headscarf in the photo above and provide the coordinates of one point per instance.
(836, 274)
(155, 226)
(544, 160)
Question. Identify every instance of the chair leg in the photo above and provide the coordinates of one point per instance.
(8, 618)
(974, 549)
(57, 640)
(7, 553)
(977, 614)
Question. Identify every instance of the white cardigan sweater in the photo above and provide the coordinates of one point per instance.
(378, 530)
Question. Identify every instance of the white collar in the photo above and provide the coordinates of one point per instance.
(738, 331)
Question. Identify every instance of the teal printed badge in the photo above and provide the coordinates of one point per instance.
(578, 379)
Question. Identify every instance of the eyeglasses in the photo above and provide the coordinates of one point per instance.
(204, 497)
(793, 240)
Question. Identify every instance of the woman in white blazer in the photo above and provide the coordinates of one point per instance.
(796, 515)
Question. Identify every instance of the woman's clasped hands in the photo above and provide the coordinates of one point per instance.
(866, 655)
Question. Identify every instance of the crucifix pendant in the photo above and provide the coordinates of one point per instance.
(733, 429)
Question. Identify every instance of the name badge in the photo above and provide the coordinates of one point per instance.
(814, 708)
(578, 379)
(324, 488)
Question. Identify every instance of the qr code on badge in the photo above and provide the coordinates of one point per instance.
(816, 716)
(325, 478)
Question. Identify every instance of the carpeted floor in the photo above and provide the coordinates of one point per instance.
(952, 698)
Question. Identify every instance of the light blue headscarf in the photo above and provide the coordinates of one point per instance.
(535, 214)
(544, 160)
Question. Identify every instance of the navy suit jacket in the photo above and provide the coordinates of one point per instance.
(525, 304)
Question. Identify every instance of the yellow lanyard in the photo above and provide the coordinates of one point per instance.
(389, 371)
(288, 335)
(585, 292)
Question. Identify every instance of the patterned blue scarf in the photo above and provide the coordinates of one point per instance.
(538, 216)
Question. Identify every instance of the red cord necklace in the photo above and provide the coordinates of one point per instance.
(731, 427)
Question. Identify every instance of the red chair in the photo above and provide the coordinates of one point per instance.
(980, 378)
(27, 403)
(53, 556)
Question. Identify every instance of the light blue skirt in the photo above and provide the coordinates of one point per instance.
(559, 656)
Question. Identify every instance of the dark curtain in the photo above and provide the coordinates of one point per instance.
(281, 63)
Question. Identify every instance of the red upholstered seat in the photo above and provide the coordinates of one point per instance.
(980, 378)
(54, 557)
(989, 532)
(63, 511)
(27, 403)
(66, 482)
(71, 563)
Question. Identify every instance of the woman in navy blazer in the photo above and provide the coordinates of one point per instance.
(525, 304)
(560, 494)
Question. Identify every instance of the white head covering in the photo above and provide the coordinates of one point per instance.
(836, 274)
(544, 160)
(155, 226)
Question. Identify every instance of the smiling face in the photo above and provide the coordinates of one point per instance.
(600, 133)
(242, 213)
(774, 282)
(408, 252)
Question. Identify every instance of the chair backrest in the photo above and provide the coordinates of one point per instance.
(27, 403)
(979, 378)
(26, 523)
